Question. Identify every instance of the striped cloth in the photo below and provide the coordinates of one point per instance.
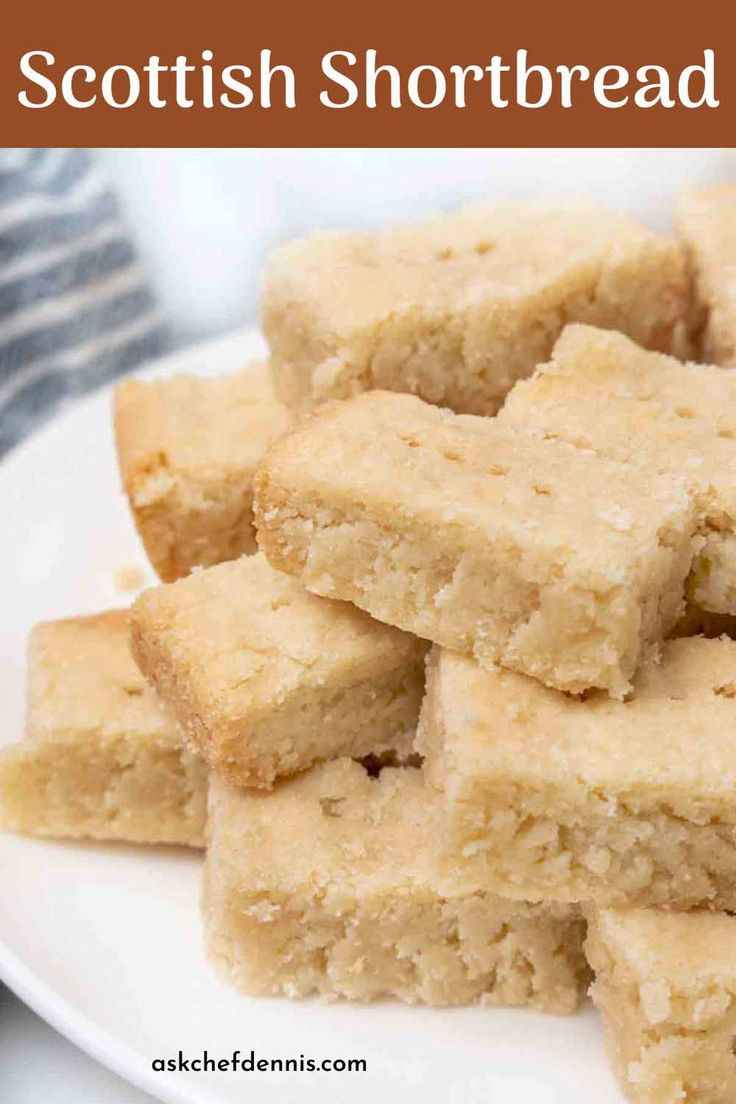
(75, 306)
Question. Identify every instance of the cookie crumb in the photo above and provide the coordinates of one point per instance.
(128, 578)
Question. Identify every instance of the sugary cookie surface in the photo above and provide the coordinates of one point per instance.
(363, 911)
(267, 678)
(602, 392)
(666, 986)
(455, 309)
(536, 554)
(707, 221)
(552, 797)
(187, 448)
(102, 758)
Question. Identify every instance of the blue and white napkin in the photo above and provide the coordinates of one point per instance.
(75, 306)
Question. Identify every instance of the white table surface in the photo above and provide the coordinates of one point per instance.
(37, 1064)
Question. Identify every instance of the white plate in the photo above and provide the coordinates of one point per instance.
(104, 941)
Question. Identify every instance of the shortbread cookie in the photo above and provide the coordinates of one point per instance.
(330, 885)
(457, 308)
(602, 392)
(537, 555)
(188, 447)
(101, 758)
(549, 797)
(666, 985)
(707, 222)
(266, 679)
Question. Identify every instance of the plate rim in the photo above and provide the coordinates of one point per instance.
(95, 1041)
(38, 994)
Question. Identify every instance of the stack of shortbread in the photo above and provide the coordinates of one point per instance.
(474, 696)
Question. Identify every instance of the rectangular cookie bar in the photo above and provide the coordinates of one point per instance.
(101, 759)
(550, 797)
(602, 392)
(329, 885)
(266, 679)
(457, 308)
(534, 554)
(187, 448)
(666, 986)
(707, 222)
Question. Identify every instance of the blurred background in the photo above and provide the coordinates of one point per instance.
(109, 257)
(204, 219)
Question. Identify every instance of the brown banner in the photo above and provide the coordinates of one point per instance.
(459, 74)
